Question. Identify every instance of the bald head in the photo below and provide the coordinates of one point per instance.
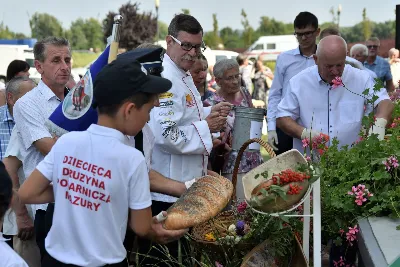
(332, 44)
(331, 57)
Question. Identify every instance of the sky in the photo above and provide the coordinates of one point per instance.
(15, 13)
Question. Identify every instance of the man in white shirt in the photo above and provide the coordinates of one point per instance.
(288, 64)
(19, 221)
(53, 62)
(311, 106)
(181, 125)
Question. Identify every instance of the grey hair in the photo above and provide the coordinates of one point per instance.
(374, 39)
(392, 51)
(39, 50)
(223, 65)
(14, 85)
(359, 47)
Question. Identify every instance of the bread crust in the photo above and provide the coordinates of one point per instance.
(201, 202)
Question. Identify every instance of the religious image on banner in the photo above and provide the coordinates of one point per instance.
(78, 101)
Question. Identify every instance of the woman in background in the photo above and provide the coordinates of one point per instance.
(199, 75)
(228, 77)
(17, 68)
(262, 78)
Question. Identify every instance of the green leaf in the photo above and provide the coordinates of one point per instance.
(284, 218)
(256, 176)
(398, 227)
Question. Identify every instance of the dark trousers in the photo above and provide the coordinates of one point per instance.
(42, 224)
(285, 142)
(49, 261)
(152, 254)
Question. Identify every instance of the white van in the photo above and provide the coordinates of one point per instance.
(269, 47)
(213, 56)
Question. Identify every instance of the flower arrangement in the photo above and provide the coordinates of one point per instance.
(358, 181)
(247, 230)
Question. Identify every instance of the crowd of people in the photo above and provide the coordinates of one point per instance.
(93, 198)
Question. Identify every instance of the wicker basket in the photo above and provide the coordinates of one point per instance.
(287, 160)
(221, 222)
(259, 256)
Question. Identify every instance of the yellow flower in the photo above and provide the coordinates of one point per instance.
(210, 237)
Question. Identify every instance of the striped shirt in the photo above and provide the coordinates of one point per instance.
(6, 126)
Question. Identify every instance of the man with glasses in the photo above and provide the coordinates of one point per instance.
(288, 64)
(377, 64)
(181, 125)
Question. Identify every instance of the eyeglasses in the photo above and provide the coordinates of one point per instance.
(305, 34)
(233, 78)
(372, 46)
(188, 46)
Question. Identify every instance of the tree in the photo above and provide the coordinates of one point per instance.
(231, 38)
(366, 25)
(384, 30)
(248, 30)
(163, 30)
(185, 11)
(273, 27)
(5, 33)
(212, 39)
(44, 25)
(76, 35)
(94, 33)
(136, 28)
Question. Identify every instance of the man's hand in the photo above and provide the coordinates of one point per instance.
(25, 226)
(161, 235)
(215, 122)
(378, 128)
(273, 139)
(310, 134)
(223, 108)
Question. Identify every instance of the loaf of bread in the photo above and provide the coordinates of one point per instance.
(201, 202)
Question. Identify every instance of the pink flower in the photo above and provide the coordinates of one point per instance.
(217, 264)
(393, 125)
(337, 82)
(360, 193)
(242, 207)
(341, 231)
(308, 158)
(391, 163)
(361, 186)
(339, 262)
(351, 234)
(306, 142)
(359, 202)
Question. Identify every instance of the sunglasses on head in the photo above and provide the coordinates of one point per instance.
(372, 46)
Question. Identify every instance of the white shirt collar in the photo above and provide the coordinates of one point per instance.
(106, 131)
(167, 60)
(46, 91)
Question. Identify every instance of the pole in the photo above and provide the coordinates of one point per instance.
(158, 29)
(398, 26)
